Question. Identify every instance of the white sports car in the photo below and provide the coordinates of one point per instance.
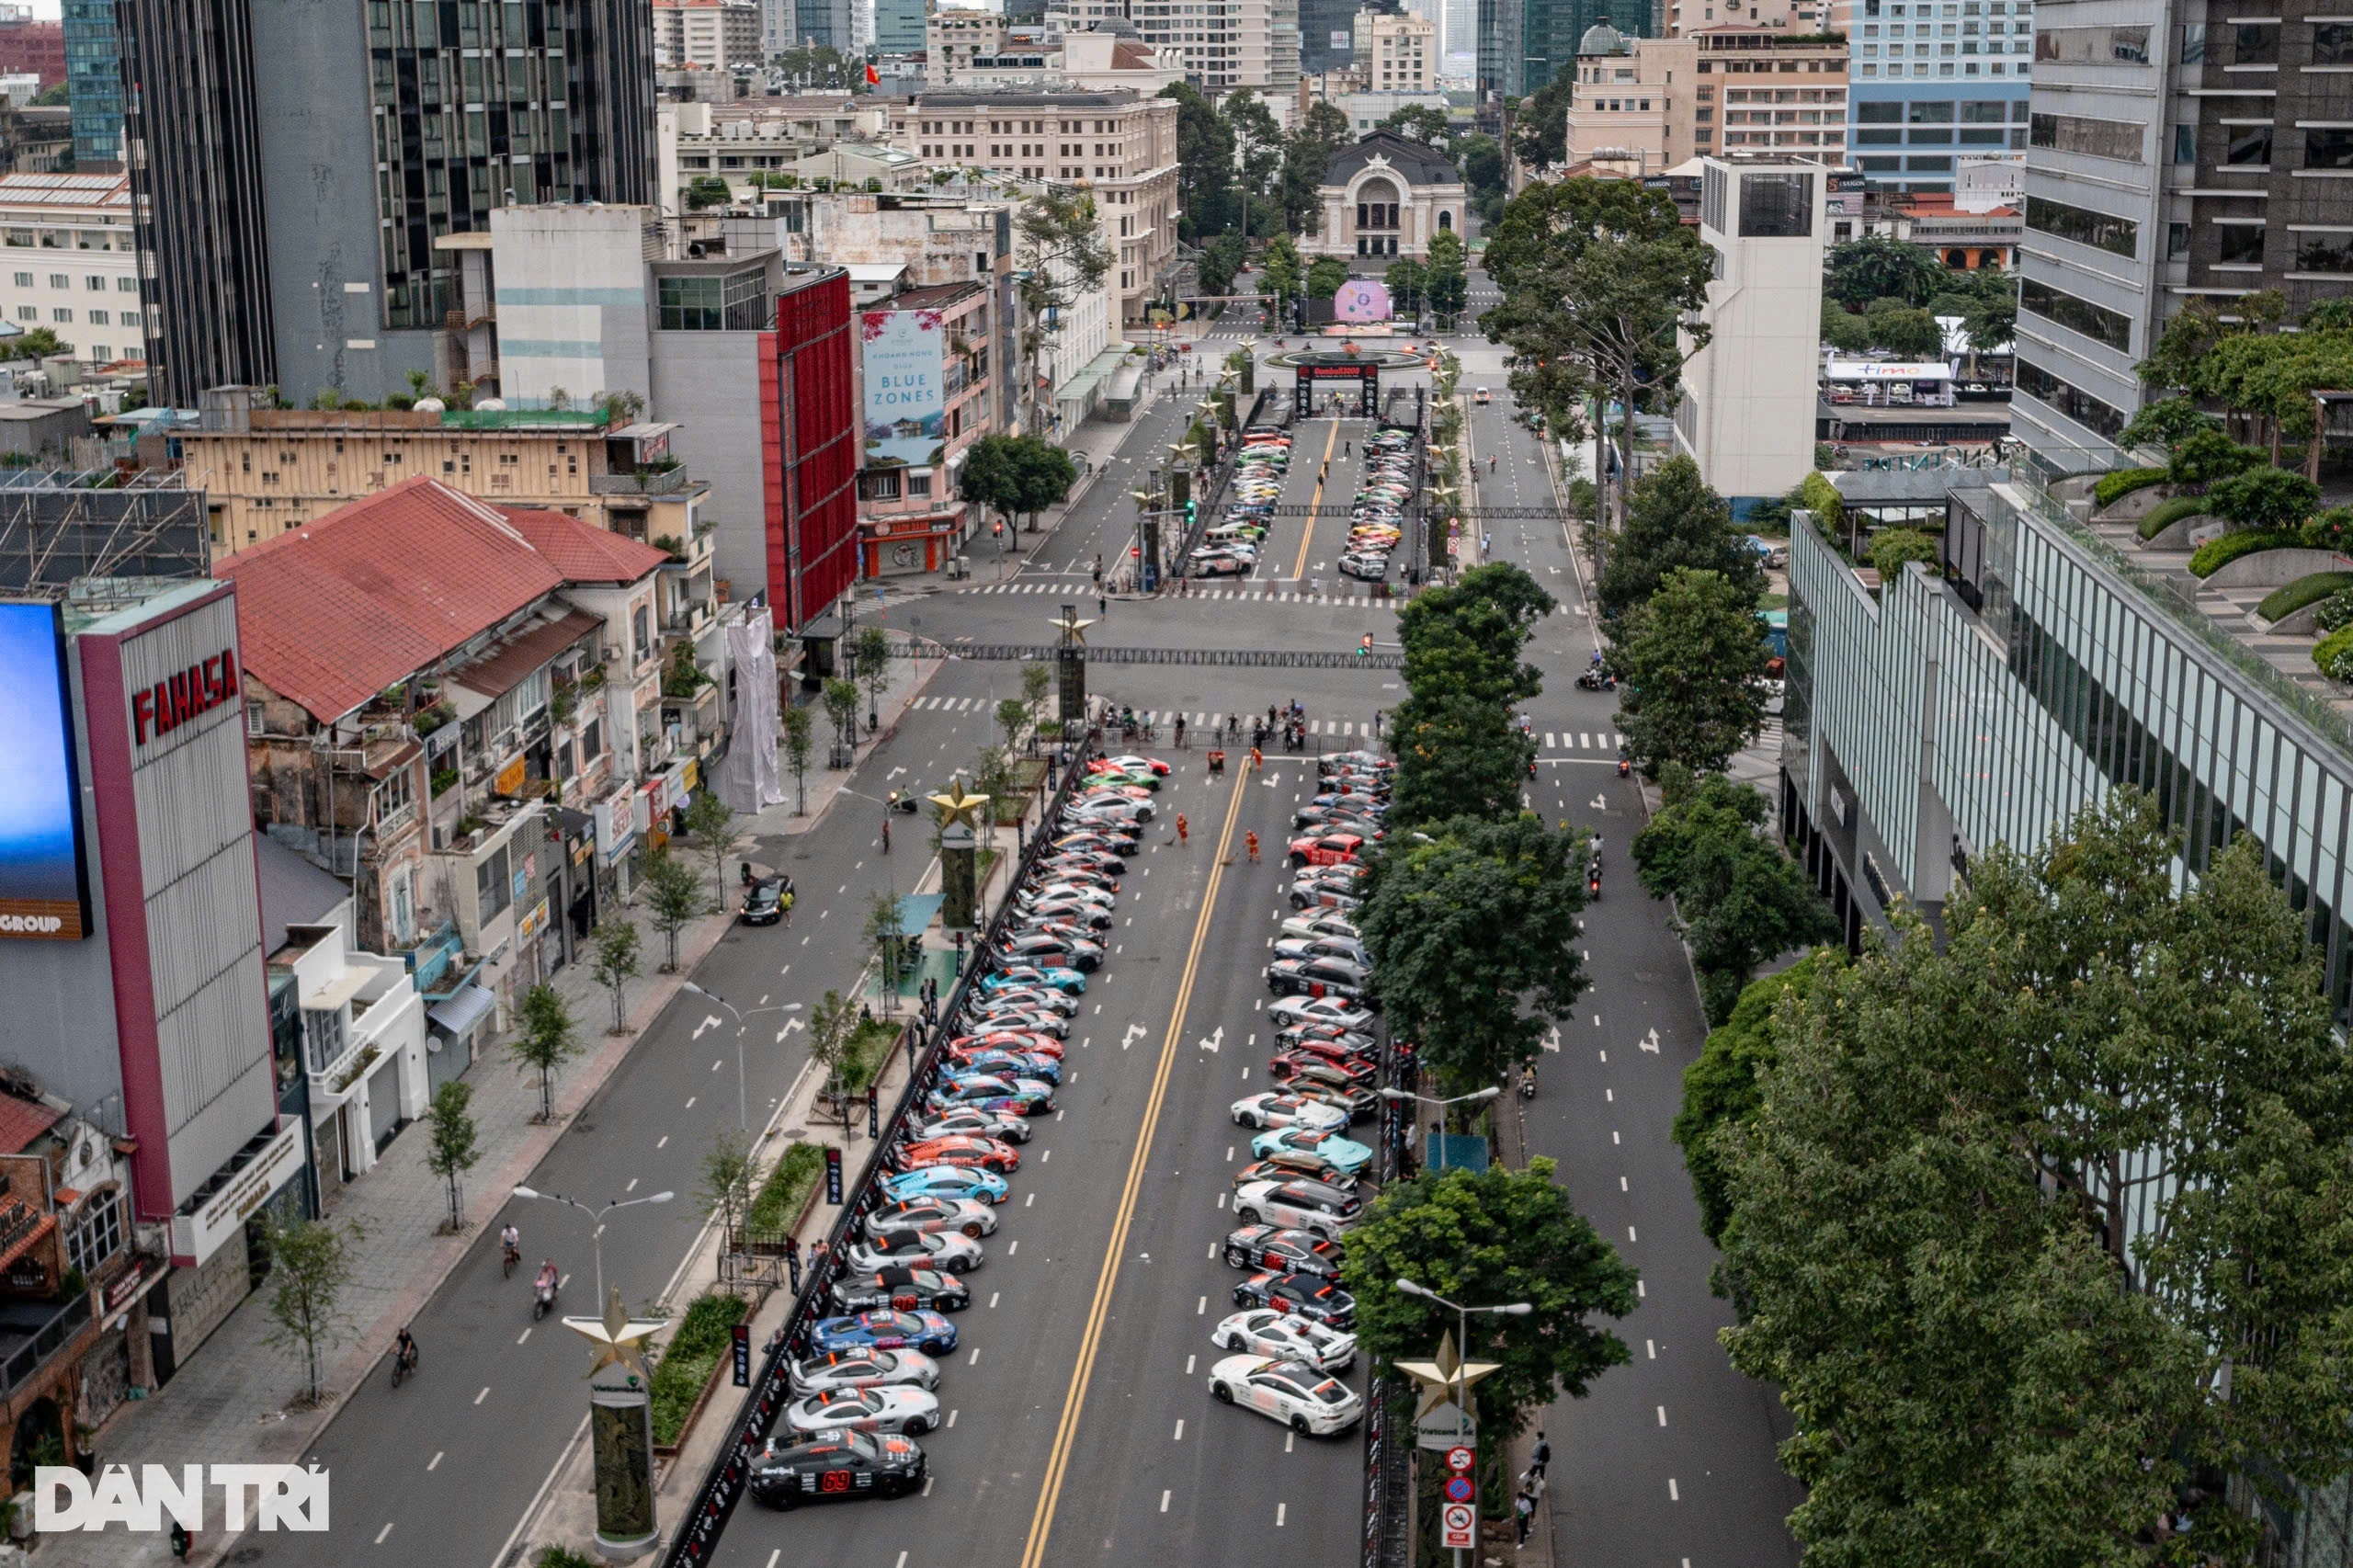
(865, 1369)
(1320, 1010)
(887, 1408)
(950, 1250)
(1264, 1332)
(1292, 1392)
(1287, 1110)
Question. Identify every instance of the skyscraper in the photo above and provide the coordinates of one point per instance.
(94, 82)
(291, 219)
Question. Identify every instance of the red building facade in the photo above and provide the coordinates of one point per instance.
(810, 440)
(35, 47)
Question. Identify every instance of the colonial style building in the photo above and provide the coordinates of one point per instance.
(1384, 197)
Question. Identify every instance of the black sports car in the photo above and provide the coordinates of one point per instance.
(1311, 1296)
(845, 1464)
(900, 1289)
(1269, 1247)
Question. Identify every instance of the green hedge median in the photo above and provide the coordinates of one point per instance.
(2167, 513)
(777, 1202)
(707, 1334)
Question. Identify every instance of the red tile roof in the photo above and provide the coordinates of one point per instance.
(583, 551)
(333, 612)
(21, 1122)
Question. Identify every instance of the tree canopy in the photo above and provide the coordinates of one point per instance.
(1876, 267)
(1014, 474)
(2045, 1230)
(1673, 519)
(1725, 1086)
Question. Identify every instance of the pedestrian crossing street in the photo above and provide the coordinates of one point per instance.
(1264, 595)
(1336, 729)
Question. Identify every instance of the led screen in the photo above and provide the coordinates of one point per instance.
(43, 891)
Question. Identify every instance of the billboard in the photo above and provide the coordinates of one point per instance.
(44, 887)
(1361, 299)
(906, 415)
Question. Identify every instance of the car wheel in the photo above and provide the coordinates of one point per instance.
(1235, 1342)
(1236, 1258)
(916, 1427)
(934, 1347)
(1241, 1297)
(1244, 1120)
(1224, 1394)
(1248, 1216)
(1299, 1425)
(1298, 861)
(972, 1229)
(890, 1486)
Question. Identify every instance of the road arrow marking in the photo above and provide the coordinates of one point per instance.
(1650, 1042)
(790, 1024)
(892, 774)
(1217, 1037)
(1601, 802)
(1552, 1039)
(1135, 1032)
(709, 1021)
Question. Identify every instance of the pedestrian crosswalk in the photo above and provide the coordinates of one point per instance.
(1267, 595)
(1583, 740)
(1366, 729)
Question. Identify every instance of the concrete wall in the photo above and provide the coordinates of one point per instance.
(709, 383)
(574, 306)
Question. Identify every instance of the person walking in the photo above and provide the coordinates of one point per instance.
(1540, 1457)
(1255, 760)
(1523, 1509)
(792, 1261)
(1184, 830)
(1250, 843)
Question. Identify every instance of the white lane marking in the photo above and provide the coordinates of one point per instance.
(1622, 1184)
(483, 1395)
(1188, 1365)
(1029, 1200)
(690, 1101)
(1280, 1509)
(951, 1417)
(1046, 1155)
(974, 1359)
(1613, 1135)
(1163, 1501)
(632, 1185)
(1203, 1309)
(1661, 1415)
(1639, 1292)
(1012, 1247)
(1671, 1494)
(1180, 1431)
(664, 1139)
(1629, 1233)
(992, 1296)
(382, 1533)
(522, 1337)
(433, 1461)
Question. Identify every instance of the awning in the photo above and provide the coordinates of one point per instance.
(460, 1012)
(524, 654)
(916, 912)
(1123, 383)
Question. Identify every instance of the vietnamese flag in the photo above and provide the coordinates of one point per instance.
(871, 79)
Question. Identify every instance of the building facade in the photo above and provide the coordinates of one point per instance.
(809, 448)
(927, 395)
(69, 262)
(1746, 417)
(32, 48)
(336, 280)
(94, 84)
(1928, 93)
(708, 35)
(1637, 100)
(1259, 44)
(1399, 54)
(1383, 198)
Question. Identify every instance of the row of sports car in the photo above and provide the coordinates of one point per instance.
(870, 1384)
(1376, 516)
(1229, 546)
(1295, 1200)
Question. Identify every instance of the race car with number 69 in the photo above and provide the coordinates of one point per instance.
(790, 1472)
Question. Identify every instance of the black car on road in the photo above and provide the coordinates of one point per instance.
(1310, 1296)
(831, 1469)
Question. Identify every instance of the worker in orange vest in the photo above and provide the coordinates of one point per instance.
(1250, 842)
(1183, 827)
(1255, 760)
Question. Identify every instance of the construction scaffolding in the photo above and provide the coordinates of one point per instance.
(99, 537)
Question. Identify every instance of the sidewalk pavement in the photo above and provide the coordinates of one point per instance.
(1511, 1140)
(909, 678)
(229, 1402)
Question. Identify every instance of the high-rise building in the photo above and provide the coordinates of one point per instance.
(291, 217)
(823, 24)
(30, 48)
(94, 82)
(1927, 91)
(1458, 37)
(1327, 31)
(1630, 104)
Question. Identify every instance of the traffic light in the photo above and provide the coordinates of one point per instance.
(1192, 508)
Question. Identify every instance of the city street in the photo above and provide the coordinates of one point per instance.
(1080, 1424)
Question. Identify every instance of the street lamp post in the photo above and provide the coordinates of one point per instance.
(1490, 1092)
(1462, 1340)
(596, 1220)
(743, 1116)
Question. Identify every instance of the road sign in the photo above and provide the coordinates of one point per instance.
(1459, 1459)
(1458, 1526)
(1457, 1489)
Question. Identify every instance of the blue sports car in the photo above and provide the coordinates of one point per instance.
(1014, 1065)
(1068, 981)
(926, 1331)
(1344, 1153)
(945, 1181)
(985, 1091)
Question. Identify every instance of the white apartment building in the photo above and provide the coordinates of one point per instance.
(1086, 61)
(753, 136)
(1399, 54)
(1747, 411)
(68, 262)
(708, 35)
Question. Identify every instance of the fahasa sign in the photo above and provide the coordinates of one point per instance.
(156, 711)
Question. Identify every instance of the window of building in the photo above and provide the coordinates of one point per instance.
(60, 280)
(2328, 149)
(2333, 43)
(126, 285)
(2069, 399)
(2330, 253)
(2093, 46)
(2093, 138)
(2185, 143)
(2249, 147)
(95, 284)
(1776, 206)
(2176, 242)
(2120, 236)
(323, 1038)
(23, 279)
(2255, 43)
(96, 1235)
(1889, 113)
(689, 304)
(2241, 245)
(1929, 111)
(65, 316)
(2193, 43)
(492, 891)
(2096, 322)
(878, 484)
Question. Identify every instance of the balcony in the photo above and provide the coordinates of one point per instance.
(34, 1334)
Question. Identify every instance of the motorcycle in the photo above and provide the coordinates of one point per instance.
(1625, 766)
(1528, 1083)
(1596, 680)
(542, 1298)
(1593, 887)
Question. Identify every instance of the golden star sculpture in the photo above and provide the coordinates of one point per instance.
(1442, 1378)
(1071, 626)
(618, 1338)
(955, 806)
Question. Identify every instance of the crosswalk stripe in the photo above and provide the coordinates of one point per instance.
(1548, 740)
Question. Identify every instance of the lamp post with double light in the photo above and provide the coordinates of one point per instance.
(596, 1220)
(1462, 1370)
(743, 1114)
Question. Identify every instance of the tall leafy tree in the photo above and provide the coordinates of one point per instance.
(1482, 161)
(1405, 279)
(1539, 131)
(1445, 276)
(1874, 267)
(1690, 660)
(545, 1039)
(2044, 1229)
(1423, 124)
(1220, 259)
(711, 824)
(1725, 1086)
(1472, 928)
(1739, 899)
(1456, 756)
(1206, 203)
(1321, 131)
(1058, 237)
(673, 897)
(1258, 140)
(310, 1264)
(1465, 639)
(1282, 274)
(1673, 519)
(1498, 1238)
(454, 1147)
(1325, 276)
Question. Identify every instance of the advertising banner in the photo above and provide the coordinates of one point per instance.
(1361, 299)
(44, 884)
(904, 359)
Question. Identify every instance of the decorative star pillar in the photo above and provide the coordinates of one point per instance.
(1070, 669)
(621, 1422)
(958, 858)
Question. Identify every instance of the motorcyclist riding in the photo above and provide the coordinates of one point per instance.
(510, 1247)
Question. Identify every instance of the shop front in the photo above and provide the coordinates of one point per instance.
(906, 543)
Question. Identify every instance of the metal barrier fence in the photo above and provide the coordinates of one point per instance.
(1045, 652)
(1388, 1431)
(715, 1501)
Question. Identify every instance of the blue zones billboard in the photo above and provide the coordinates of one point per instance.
(44, 886)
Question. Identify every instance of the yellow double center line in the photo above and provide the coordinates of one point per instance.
(1041, 1522)
(1307, 535)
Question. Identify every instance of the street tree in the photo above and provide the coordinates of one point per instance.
(800, 748)
(1725, 1087)
(1471, 926)
(1037, 681)
(1206, 203)
(2044, 1229)
(728, 1179)
(1902, 331)
(1258, 139)
(884, 912)
(1321, 131)
(711, 824)
(1220, 259)
(1324, 278)
(1690, 664)
(1457, 756)
(1465, 639)
(673, 897)
(614, 962)
(545, 1039)
(1539, 131)
(1423, 124)
(310, 1264)
(1498, 1237)
(873, 652)
(1012, 715)
(833, 1034)
(840, 697)
(1481, 162)
(1062, 258)
(1282, 276)
(1875, 267)
(454, 1147)
(1674, 519)
(1406, 280)
(1445, 279)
